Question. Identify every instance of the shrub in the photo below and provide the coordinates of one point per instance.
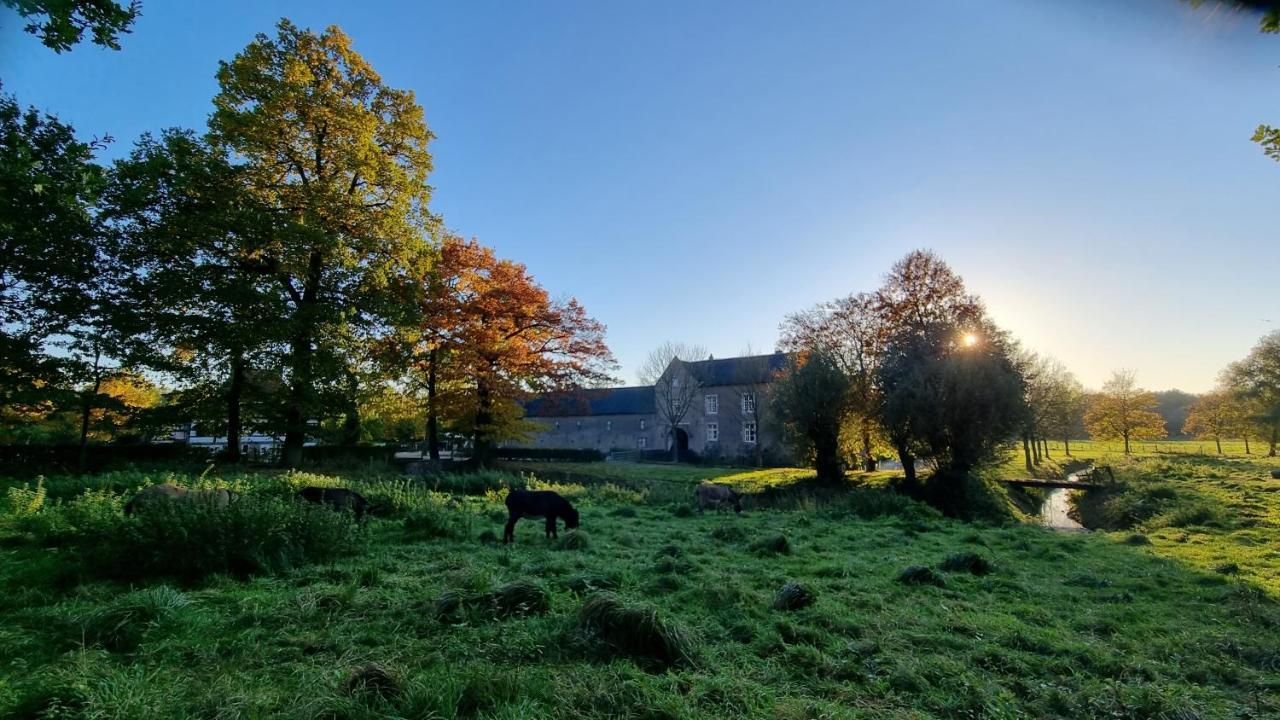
(635, 631)
(920, 575)
(189, 540)
(1137, 539)
(773, 545)
(869, 504)
(26, 501)
(967, 562)
(428, 521)
(793, 596)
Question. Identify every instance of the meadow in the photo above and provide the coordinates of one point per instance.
(857, 603)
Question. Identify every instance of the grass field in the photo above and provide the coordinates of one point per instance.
(654, 611)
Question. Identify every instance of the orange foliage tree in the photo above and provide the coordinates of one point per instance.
(491, 336)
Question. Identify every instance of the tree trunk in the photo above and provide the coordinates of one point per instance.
(235, 388)
(908, 463)
(1035, 449)
(827, 459)
(484, 419)
(1066, 445)
(87, 409)
(1026, 452)
(295, 418)
(1218, 441)
(433, 421)
(868, 462)
(1246, 445)
(1126, 444)
(351, 421)
(1045, 443)
(1275, 438)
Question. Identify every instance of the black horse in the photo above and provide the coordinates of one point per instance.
(538, 503)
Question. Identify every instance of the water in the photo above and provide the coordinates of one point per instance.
(1057, 504)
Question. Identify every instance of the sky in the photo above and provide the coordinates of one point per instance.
(695, 171)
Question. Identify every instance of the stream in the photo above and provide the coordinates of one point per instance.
(1054, 513)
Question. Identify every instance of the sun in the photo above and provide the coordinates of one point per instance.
(970, 340)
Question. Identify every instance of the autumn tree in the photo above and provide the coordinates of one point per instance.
(61, 24)
(340, 162)
(497, 337)
(1123, 411)
(851, 332)
(1256, 382)
(674, 392)
(1213, 416)
(947, 382)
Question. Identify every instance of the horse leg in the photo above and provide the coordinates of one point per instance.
(551, 527)
(509, 533)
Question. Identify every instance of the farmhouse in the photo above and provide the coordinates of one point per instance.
(719, 409)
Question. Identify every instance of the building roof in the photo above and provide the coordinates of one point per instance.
(750, 370)
(596, 401)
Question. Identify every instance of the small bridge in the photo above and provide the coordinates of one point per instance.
(1094, 478)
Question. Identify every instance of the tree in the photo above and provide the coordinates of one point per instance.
(938, 343)
(61, 24)
(50, 187)
(1123, 411)
(185, 227)
(1256, 380)
(1066, 406)
(500, 337)
(1212, 417)
(341, 162)
(809, 400)
(852, 332)
(674, 389)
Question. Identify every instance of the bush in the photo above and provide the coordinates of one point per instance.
(635, 631)
(967, 562)
(550, 454)
(773, 545)
(429, 521)
(793, 596)
(188, 540)
(870, 504)
(920, 575)
(477, 483)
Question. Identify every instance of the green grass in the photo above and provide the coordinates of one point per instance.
(652, 613)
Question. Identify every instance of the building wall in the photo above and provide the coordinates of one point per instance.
(598, 432)
(730, 420)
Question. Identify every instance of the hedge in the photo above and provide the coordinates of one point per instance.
(557, 454)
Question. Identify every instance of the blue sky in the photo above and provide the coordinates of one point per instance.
(696, 170)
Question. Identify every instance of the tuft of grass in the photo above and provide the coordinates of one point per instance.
(626, 511)
(969, 562)
(772, 545)
(793, 596)
(574, 540)
(371, 679)
(635, 631)
(1137, 539)
(920, 575)
(519, 598)
(728, 533)
(121, 624)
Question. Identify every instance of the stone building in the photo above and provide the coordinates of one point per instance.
(719, 408)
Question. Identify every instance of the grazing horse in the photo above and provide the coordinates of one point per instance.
(167, 492)
(340, 499)
(538, 503)
(716, 495)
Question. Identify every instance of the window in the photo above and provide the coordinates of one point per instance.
(712, 403)
(642, 443)
(748, 403)
(608, 425)
(713, 432)
(749, 432)
(641, 423)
